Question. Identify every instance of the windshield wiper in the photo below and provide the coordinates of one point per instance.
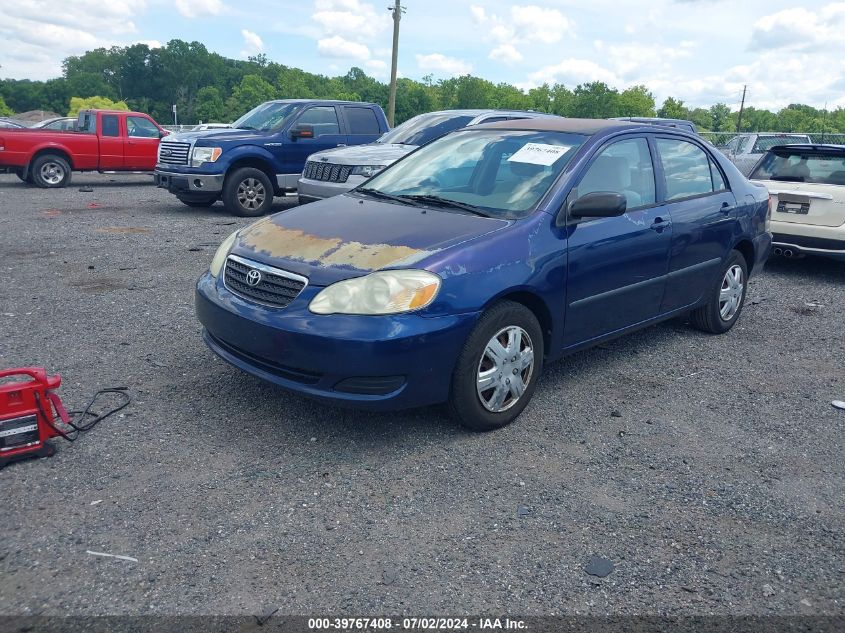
(375, 193)
(446, 202)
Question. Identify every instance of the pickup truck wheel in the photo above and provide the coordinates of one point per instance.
(198, 202)
(727, 297)
(248, 192)
(498, 368)
(50, 171)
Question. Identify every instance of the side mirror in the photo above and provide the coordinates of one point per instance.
(302, 131)
(599, 204)
(163, 133)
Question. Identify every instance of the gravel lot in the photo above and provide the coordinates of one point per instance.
(709, 470)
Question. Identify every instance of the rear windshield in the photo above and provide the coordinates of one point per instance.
(425, 128)
(765, 143)
(796, 166)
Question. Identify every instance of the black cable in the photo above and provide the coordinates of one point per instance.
(78, 423)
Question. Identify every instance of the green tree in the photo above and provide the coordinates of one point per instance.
(673, 109)
(636, 101)
(94, 103)
(721, 119)
(4, 109)
(595, 100)
(252, 91)
(209, 105)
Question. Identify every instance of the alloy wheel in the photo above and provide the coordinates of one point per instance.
(730, 295)
(505, 369)
(52, 173)
(251, 193)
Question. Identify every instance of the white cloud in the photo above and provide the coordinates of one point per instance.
(506, 53)
(199, 8)
(39, 34)
(572, 72)
(339, 47)
(440, 63)
(253, 44)
(525, 24)
(800, 28)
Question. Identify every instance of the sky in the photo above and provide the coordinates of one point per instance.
(701, 51)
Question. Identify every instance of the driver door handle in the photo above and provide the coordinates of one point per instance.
(659, 224)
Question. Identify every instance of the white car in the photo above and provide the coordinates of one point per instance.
(745, 150)
(807, 187)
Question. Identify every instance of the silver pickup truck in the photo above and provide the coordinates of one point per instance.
(745, 150)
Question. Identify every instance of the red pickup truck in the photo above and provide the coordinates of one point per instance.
(104, 140)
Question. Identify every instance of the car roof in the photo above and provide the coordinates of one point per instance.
(561, 124)
(331, 101)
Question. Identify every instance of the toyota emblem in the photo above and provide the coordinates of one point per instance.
(253, 277)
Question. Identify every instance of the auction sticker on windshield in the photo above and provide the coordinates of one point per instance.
(539, 153)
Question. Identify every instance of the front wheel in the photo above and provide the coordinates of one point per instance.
(248, 192)
(50, 171)
(498, 368)
(726, 299)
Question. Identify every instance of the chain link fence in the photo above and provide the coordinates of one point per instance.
(721, 139)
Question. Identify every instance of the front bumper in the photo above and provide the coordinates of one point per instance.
(180, 183)
(311, 190)
(373, 362)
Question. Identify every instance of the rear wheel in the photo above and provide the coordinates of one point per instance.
(248, 192)
(498, 368)
(50, 171)
(198, 202)
(727, 297)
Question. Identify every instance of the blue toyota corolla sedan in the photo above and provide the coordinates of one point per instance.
(457, 273)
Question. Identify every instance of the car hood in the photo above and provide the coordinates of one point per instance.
(226, 135)
(371, 154)
(349, 236)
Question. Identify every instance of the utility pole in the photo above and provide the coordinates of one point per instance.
(741, 108)
(397, 9)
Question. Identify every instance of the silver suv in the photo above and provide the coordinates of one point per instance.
(335, 171)
(745, 150)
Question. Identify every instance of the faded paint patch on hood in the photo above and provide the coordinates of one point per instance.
(346, 236)
(271, 239)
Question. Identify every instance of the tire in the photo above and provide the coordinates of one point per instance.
(50, 171)
(198, 202)
(243, 183)
(19, 174)
(465, 397)
(726, 299)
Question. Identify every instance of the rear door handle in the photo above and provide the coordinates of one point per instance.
(726, 207)
(659, 224)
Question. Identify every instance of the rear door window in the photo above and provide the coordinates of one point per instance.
(322, 118)
(686, 169)
(111, 125)
(624, 167)
(361, 120)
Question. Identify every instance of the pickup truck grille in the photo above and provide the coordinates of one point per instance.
(262, 284)
(173, 153)
(327, 172)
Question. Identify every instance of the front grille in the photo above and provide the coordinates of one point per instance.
(173, 153)
(327, 172)
(276, 288)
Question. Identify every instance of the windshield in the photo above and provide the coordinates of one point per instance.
(267, 116)
(501, 173)
(425, 128)
(765, 143)
(820, 167)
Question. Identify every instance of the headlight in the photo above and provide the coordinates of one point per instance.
(366, 170)
(202, 155)
(221, 254)
(385, 292)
